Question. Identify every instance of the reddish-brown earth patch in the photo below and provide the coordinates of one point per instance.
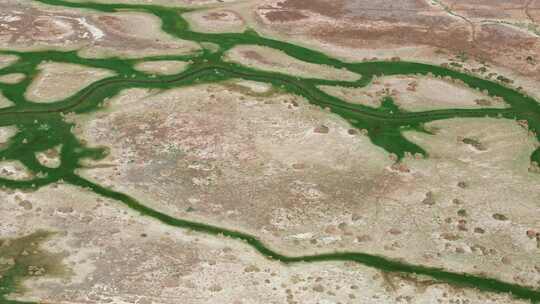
(249, 54)
(323, 7)
(284, 16)
(515, 9)
(21, 25)
(384, 24)
(215, 16)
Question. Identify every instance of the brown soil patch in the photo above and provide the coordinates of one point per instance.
(390, 25)
(255, 56)
(284, 16)
(222, 16)
(323, 7)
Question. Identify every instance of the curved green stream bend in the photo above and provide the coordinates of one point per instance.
(42, 126)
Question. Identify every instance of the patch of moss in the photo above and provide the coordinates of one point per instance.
(22, 258)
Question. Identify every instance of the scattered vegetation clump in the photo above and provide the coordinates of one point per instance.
(479, 230)
(474, 143)
(462, 56)
(503, 79)
(322, 129)
(429, 199)
(457, 201)
(482, 69)
(483, 102)
(500, 217)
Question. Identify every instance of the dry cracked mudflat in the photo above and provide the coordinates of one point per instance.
(269, 151)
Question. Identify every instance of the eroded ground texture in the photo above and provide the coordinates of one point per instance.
(269, 151)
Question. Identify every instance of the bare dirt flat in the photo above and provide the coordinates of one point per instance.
(318, 191)
(57, 81)
(269, 151)
(413, 93)
(277, 61)
(4, 102)
(162, 67)
(426, 31)
(6, 60)
(215, 21)
(32, 26)
(142, 261)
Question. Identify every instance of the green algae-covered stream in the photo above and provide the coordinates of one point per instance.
(42, 126)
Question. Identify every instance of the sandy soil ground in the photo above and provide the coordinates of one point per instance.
(4, 102)
(6, 60)
(12, 78)
(412, 30)
(6, 133)
(31, 26)
(109, 254)
(14, 170)
(413, 93)
(215, 21)
(50, 158)
(264, 58)
(264, 166)
(244, 156)
(162, 67)
(57, 81)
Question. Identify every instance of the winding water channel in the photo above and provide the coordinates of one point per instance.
(42, 126)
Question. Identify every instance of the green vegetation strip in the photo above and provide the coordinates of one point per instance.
(42, 126)
(378, 262)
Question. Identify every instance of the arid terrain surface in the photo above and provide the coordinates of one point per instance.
(269, 151)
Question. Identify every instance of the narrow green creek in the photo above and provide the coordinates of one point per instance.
(42, 126)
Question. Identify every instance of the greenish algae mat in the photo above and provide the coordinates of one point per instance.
(42, 126)
(23, 257)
